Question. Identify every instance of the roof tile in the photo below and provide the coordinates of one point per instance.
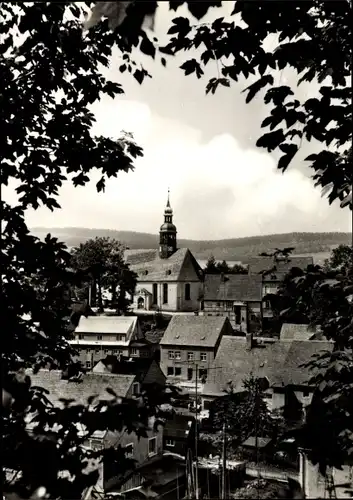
(240, 287)
(195, 330)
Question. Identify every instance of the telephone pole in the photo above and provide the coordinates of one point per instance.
(196, 439)
(224, 459)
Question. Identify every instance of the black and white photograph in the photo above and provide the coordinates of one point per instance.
(176, 250)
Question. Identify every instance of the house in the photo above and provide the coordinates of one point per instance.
(139, 449)
(179, 434)
(278, 362)
(145, 370)
(189, 346)
(170, 278)
(271, 280)
(290, 331)
(99, 336)
(236, 296)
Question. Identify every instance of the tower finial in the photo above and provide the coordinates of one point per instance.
(168, 202)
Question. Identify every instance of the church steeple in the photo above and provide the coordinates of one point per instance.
(167, 233)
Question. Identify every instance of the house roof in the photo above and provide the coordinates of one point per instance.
(107, 324)
(279, 362)
(147, 264)
(124, 366)
(202, 331)
(290, 331)
(90, 384)
(241, 287)
(262, 442)
(258, 264)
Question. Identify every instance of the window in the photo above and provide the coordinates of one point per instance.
(154, 293)
(203, 375)
(218, 304)
(120, 338)
(165, 293)
(135, 388)
(134, 351)
(203, 356)
(190, 373)
(237, 310)
(229, 304)
(81, 336)
(177, 355)
(177, 371)
(306, 393)
(170, 371)
(206, 404)
(187, 291)
(106, 351)
(99, 337)
(88, 364)
(152, 446)
(170, 442)
(129, 450)
(88, 351)
(190, 356)
(98, 351)
(170, 354)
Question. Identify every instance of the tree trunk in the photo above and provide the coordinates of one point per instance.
(100, 299)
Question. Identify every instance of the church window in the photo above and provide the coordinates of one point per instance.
(146, 272)
(165, 293)
(187, 291)
(154, 293)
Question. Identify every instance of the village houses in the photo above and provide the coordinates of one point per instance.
(96, 337)
(236, 296)
(189, 346)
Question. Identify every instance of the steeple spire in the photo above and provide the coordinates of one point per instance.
(167, 233)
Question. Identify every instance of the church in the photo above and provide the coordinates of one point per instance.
(170, 278)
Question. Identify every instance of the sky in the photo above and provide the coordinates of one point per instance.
(203, 148)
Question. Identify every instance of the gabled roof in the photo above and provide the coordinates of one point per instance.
(200, 331)
(262, 442)
(147, 264)
(125, 366)
(237, 287)
(258, 264)
(290, 331)
(90, 384)
(107, 324)
(278, 361)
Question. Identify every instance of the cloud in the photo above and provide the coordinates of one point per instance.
(218, 189)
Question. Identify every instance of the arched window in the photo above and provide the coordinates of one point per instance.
(187, 291)
(165, 293)
(154, 293)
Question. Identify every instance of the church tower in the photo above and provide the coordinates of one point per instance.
(167, 233)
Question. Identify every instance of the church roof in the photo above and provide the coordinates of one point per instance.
(149, 266)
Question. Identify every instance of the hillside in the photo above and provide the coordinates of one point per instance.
(228, 249)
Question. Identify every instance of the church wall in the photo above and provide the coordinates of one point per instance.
(194, 303)
(172, 296)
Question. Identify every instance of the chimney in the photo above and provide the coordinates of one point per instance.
(249, 341)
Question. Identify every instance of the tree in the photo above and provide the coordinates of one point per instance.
(211, 266)
(102, 259)
(324, 296)
(238, 269)
(49, 142)
(341, 259)
(311, 37)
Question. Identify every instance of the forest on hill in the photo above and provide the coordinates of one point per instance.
(229, 249)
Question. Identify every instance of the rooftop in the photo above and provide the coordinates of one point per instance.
(290, 331)
(150, 267)
(202, 331)
(107, 324)
(124, 365)
(79, 392)
(258, 264)
(233, 287)
(279, 362)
